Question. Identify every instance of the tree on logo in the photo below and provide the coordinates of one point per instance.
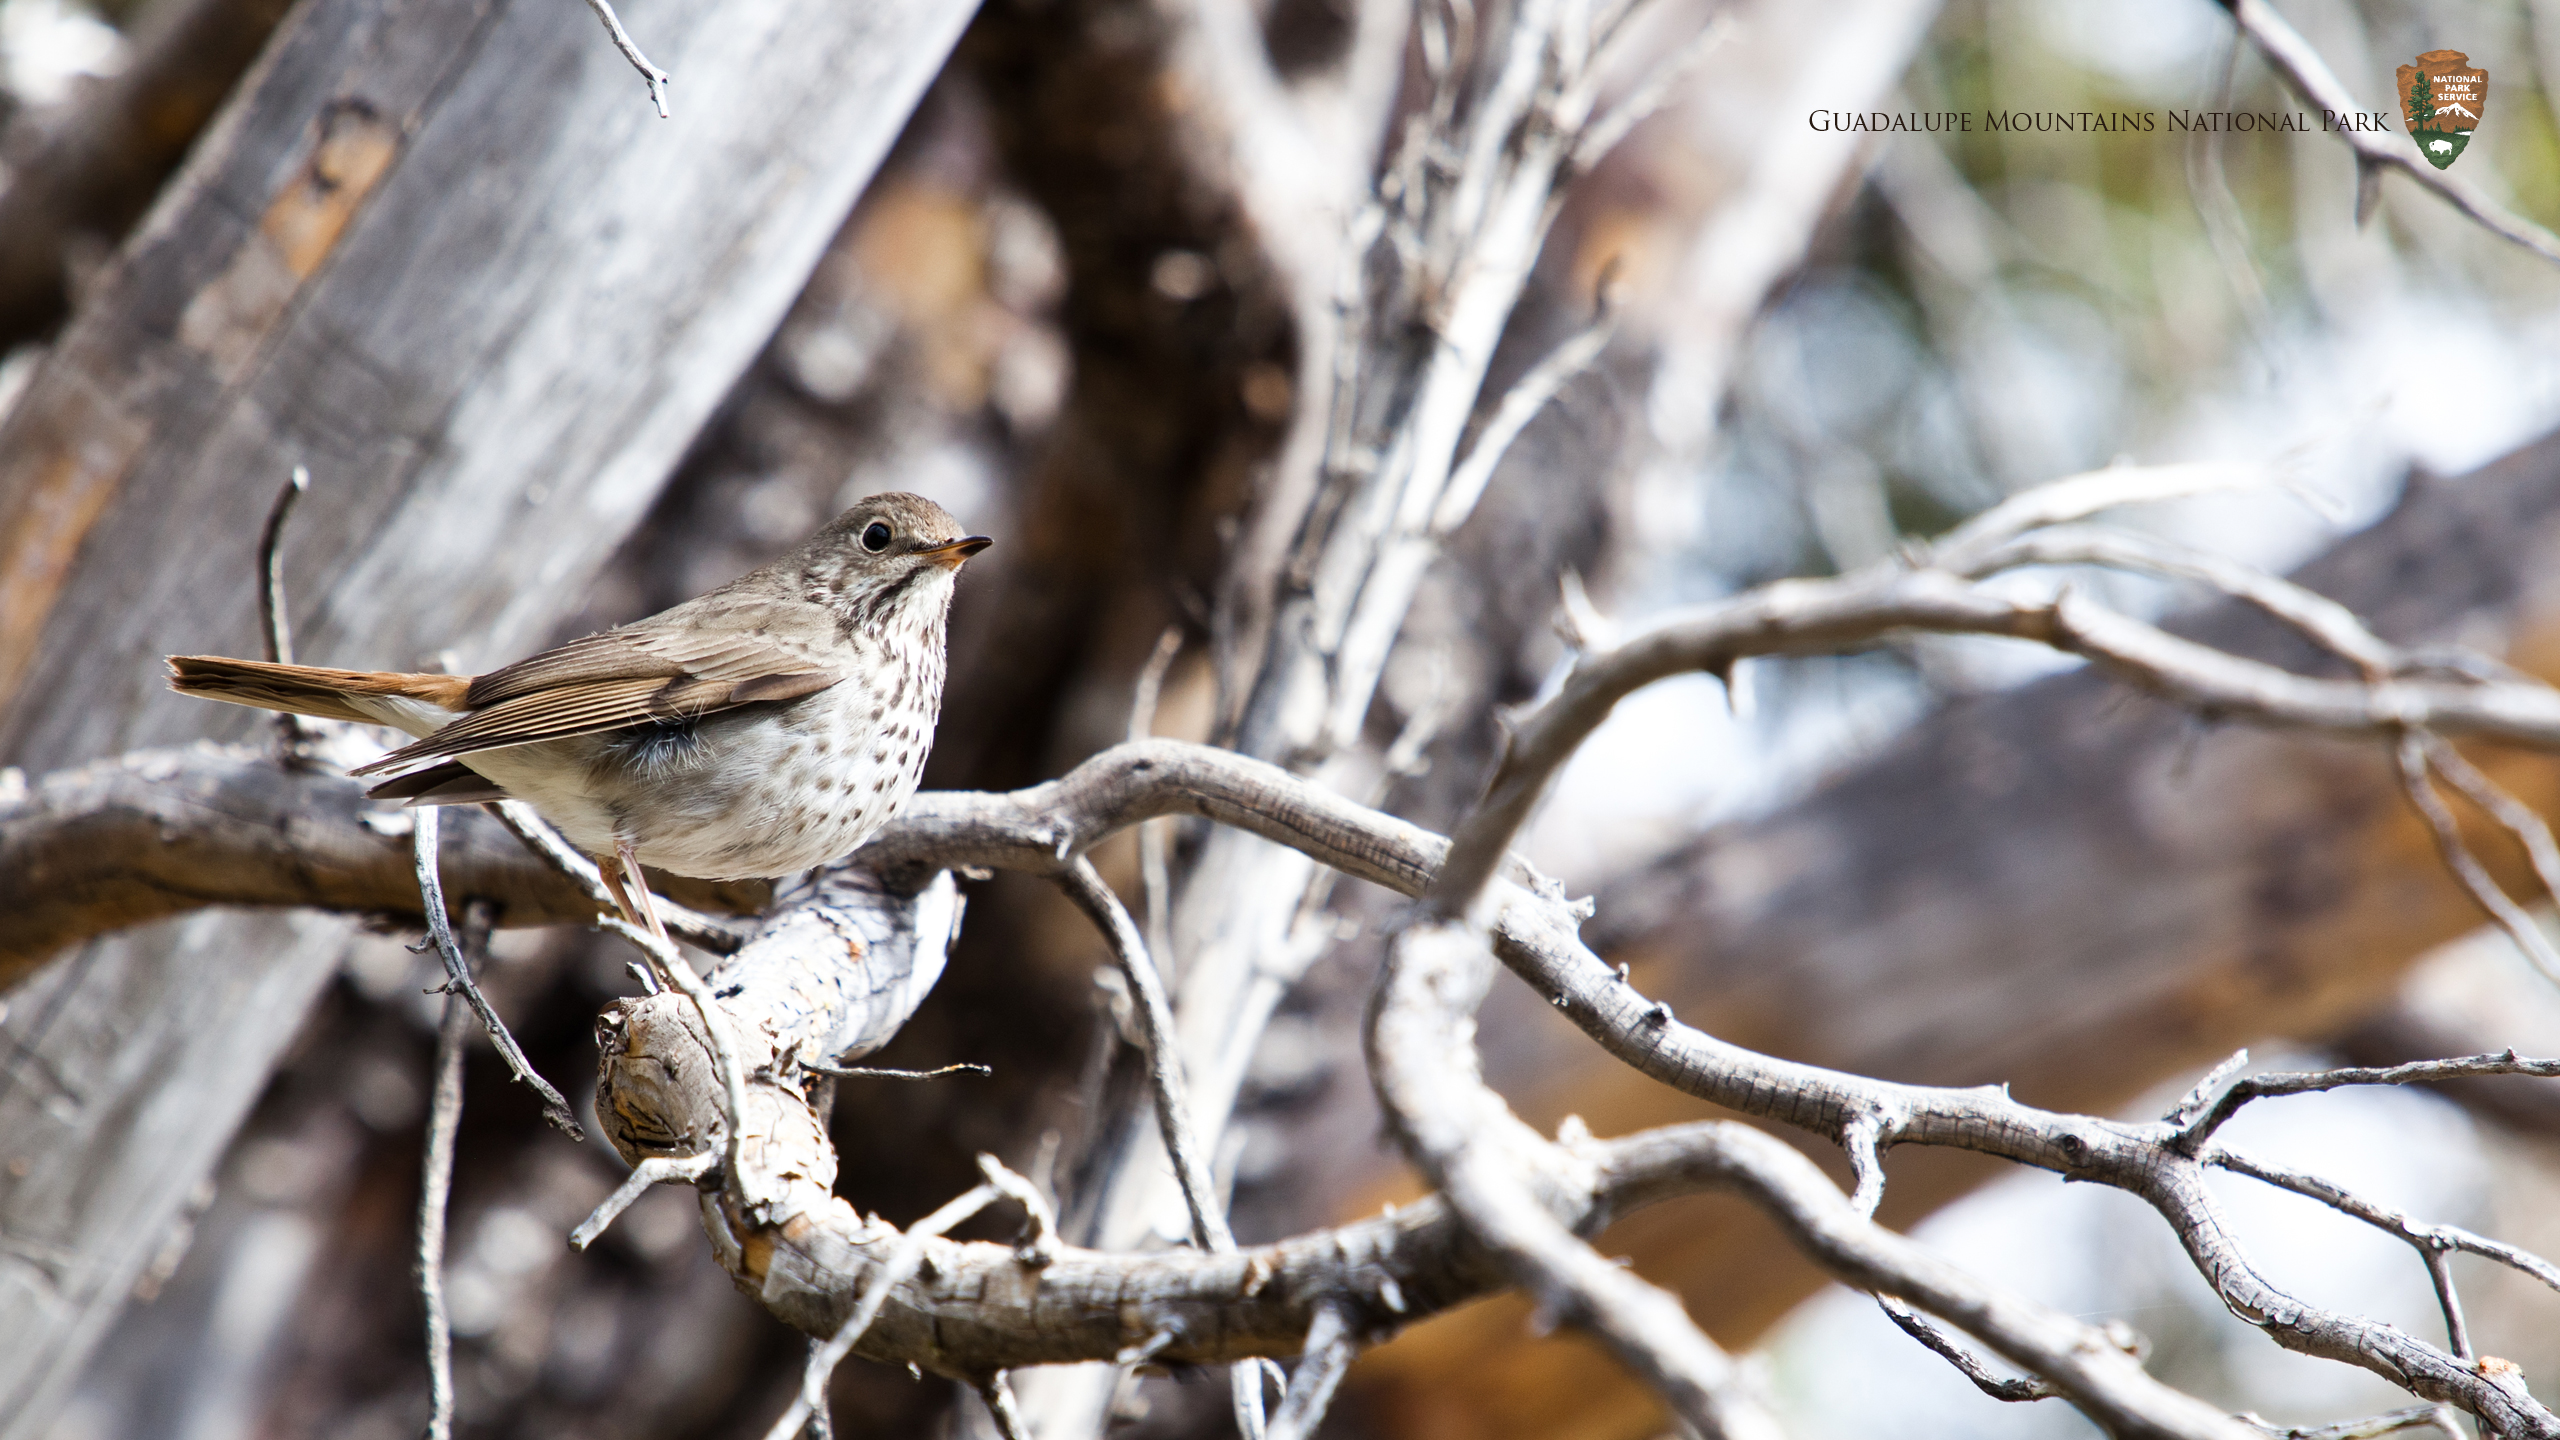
(2422, 103)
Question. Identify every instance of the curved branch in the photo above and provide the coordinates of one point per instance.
(1865, 606)
(1164, 1063)
(1491, 1168)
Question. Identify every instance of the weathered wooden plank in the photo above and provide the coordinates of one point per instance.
(445, 254)
(91, 167)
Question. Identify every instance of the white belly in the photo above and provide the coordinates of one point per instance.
(745, 795)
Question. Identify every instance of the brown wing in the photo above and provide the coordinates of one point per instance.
(677, 665)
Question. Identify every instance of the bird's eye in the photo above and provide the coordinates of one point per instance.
(875, 537)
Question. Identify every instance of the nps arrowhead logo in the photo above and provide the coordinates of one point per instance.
(2441, 99)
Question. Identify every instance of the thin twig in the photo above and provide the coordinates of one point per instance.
(2416, 1417)
(1000, 1407)
(2077, 497)
(2323, 621)
(2208, 1089)
(435, 1190)
(657, 79)
(2530, 829)
(652, 1170)
(1039, 1249)
(1607, 127)
(2415, 780)
(1520, 405)
(272, 619)
(1331, 1347)
(2193, 1122)
(2011, 1389)
(555, 1108)
(867, 1072)
(1860, 1139)
(821, 1424)
(1164, 1057)
(900, 1268)
(2457, 1331)
(2429, 1240)
(1172, 1093)
(275, 624)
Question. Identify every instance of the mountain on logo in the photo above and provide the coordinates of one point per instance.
(2442, 97)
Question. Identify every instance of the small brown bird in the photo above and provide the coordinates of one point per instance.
(769, 726)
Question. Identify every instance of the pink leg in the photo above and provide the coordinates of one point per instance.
(634, 893)
(611, 870)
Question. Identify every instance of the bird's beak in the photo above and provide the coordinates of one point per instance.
(957, 553)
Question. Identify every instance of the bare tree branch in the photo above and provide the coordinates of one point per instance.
(655, 78)
(1172, 1090)
(970, 1309)
(2226, 1101)
(1164, 1064)
(2416, 1417)
(2419, 784)
(2431, 1241)
(458, 979)
(435, 1190)
(2008, 1390)
(1330, 1350)
(1490, 1166)
(2309, 77)
(157, 833)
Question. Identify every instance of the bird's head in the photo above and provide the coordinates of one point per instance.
(894, 550)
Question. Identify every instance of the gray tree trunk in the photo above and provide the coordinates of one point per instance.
(446, 255)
